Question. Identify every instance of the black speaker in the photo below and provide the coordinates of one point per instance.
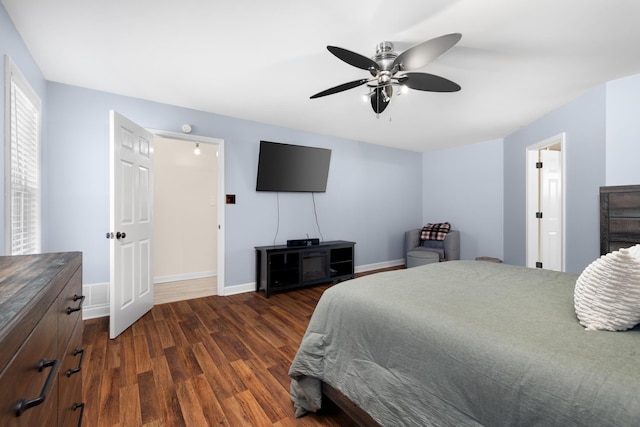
(303, 242)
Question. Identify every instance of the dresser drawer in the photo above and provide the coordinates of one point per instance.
(70, 381)
(69, 309)
(22, 380)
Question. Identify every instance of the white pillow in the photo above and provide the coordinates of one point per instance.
(607, 293)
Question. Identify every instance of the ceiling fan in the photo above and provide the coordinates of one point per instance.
(389, 69)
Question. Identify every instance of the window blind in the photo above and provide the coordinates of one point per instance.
(23, 214)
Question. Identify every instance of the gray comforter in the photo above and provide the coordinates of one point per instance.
(467, 343)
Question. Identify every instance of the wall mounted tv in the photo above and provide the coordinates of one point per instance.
(287, 167)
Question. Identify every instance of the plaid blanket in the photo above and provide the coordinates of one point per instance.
(436, 231)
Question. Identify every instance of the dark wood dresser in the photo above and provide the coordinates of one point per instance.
(41, 340)
(619, 217)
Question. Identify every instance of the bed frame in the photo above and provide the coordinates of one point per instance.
(353, 411)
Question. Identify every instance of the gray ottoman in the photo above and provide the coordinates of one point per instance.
(421, 256)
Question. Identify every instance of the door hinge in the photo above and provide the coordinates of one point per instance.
(539, 215)
(538, 264)
(538, 165)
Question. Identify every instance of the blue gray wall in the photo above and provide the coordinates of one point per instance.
(469, 185)
(463, 186)
(623, 131)
(373, 193)
(602, 134)
(583, 122)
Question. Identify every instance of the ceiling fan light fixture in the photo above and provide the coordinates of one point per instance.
(389, 69)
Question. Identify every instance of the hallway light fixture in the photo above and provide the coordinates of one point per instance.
(197, 150)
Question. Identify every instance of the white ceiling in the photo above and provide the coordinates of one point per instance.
(261, 60)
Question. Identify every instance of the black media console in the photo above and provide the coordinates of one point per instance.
(281, 268)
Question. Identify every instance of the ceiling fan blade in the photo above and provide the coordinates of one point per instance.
(428, 82)
(353, 58)
(421, 54)
(340, 88)
(380, 99)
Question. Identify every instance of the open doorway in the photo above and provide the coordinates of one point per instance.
(188, 217)
(545, 203)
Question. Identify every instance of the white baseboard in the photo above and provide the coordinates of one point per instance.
(96, 303)
(251, 287)
(94, 312)
(188, 276)
(379, 265)
(239, 289)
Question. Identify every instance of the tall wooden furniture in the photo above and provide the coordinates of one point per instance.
(280, 268)
(41, 340)
(619, 217)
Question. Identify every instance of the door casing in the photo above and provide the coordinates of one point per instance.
(221, 199)
(532, 197)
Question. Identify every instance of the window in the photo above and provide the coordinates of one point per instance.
(22, 169)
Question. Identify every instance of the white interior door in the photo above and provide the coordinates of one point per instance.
(131, 186)
(551, 207)
(545, 201)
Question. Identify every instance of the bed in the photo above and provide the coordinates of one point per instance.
(466, 343)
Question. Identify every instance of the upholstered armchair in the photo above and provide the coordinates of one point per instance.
(420, 253)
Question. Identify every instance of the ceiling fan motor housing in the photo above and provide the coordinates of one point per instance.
(384, 57)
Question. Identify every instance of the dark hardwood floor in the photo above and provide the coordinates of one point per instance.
(206, 361)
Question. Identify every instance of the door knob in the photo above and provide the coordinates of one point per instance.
(120, 235)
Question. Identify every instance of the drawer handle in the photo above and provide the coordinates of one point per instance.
(76, 370)
(24, 404)
(79, 307)
(81, 406)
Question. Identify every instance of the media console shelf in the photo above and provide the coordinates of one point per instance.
(281, 268)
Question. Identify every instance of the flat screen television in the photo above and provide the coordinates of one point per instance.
(287, 167)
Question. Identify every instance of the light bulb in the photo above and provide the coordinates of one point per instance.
(197, 150)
